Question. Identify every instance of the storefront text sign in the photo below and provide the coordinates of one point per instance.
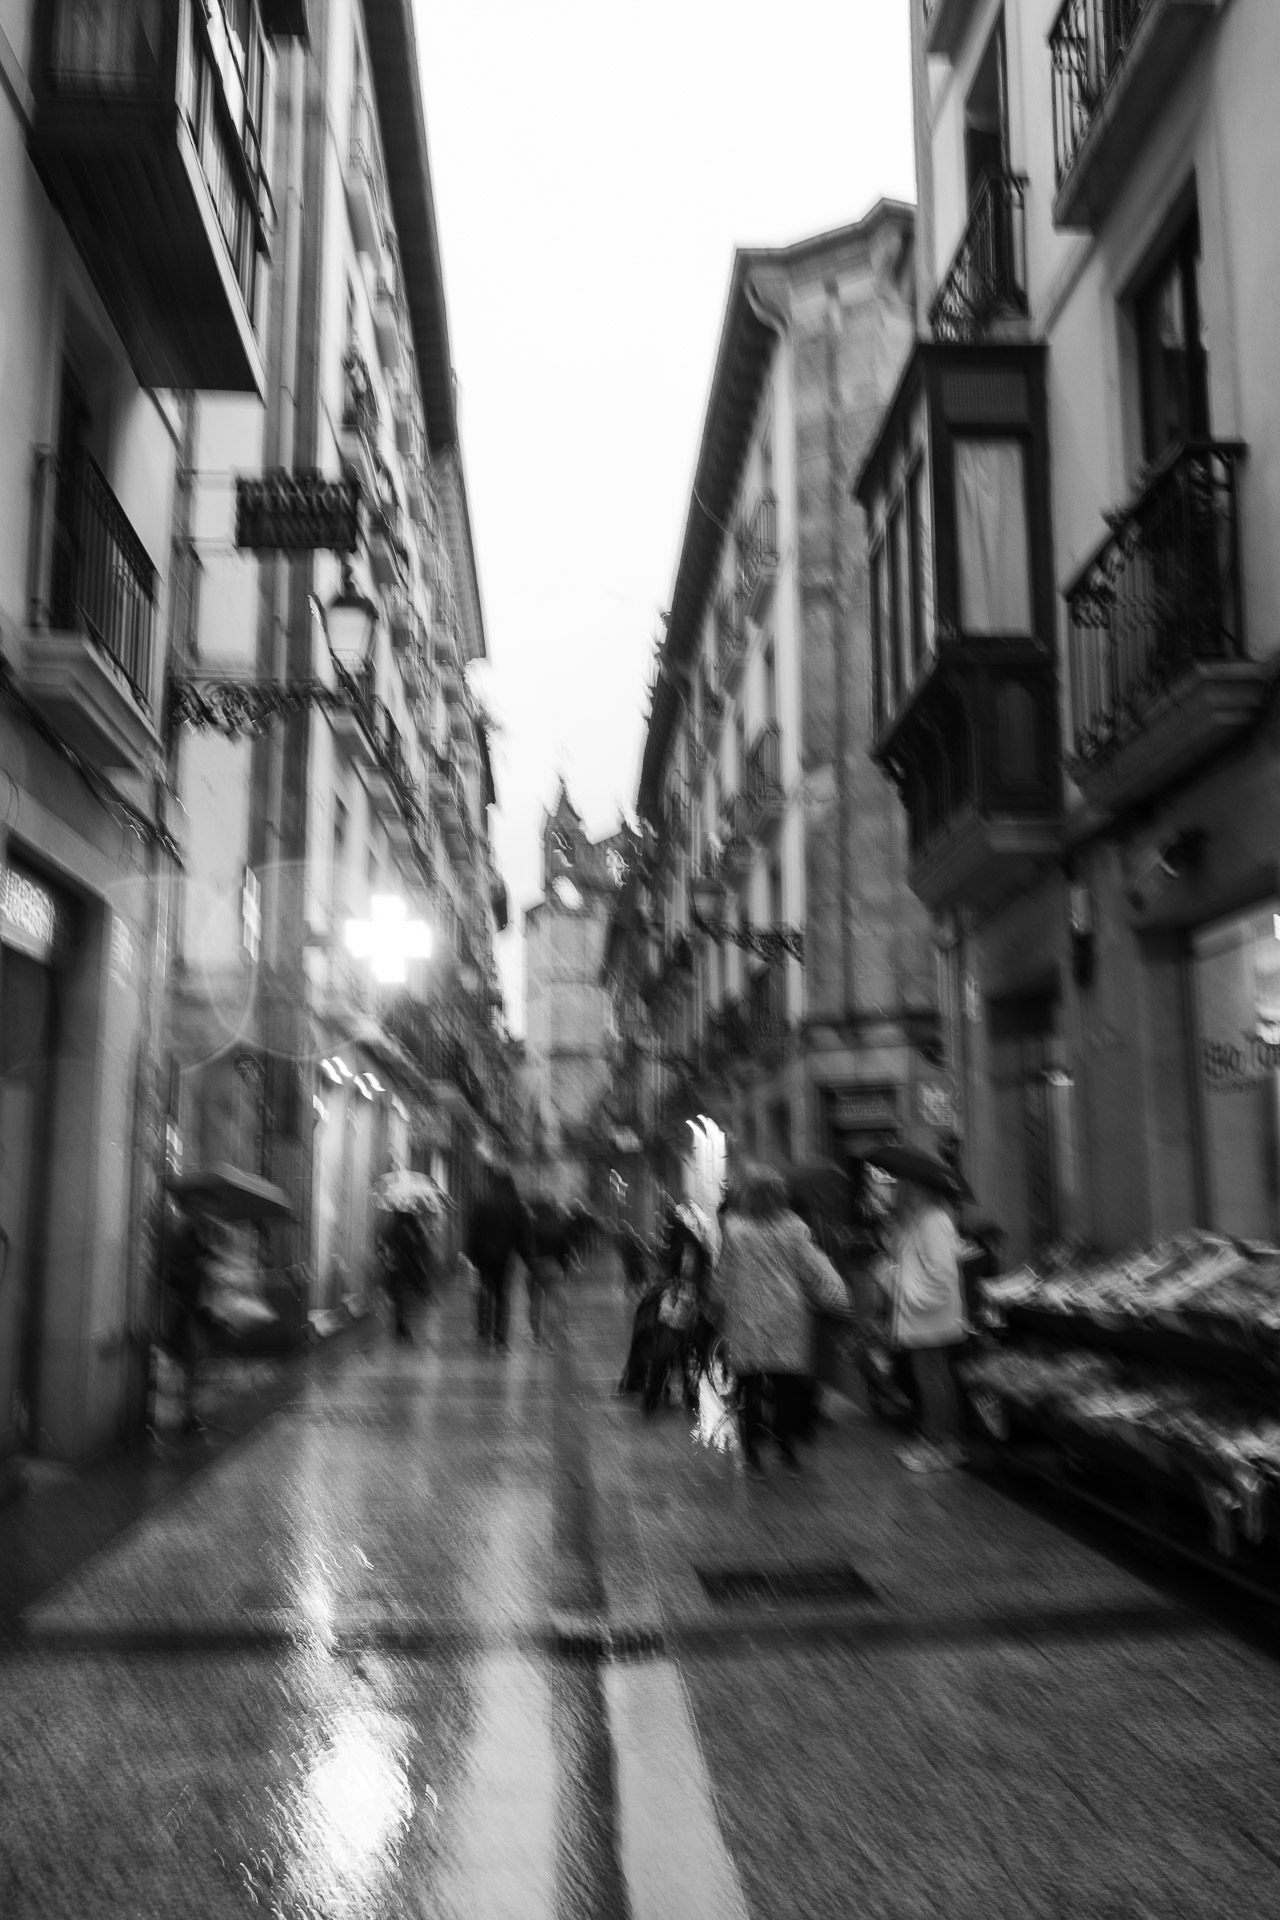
(283, 512)
(1228, 1068)
(32, 918)
(866, 1110)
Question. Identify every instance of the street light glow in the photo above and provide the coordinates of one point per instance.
(388, 939)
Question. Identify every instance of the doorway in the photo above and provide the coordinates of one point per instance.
(27, 1039)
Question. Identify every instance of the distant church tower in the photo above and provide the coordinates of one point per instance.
(567, 1009)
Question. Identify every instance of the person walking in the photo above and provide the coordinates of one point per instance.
(404, 1253)
(188, 1271)
(546, 1270)
(769, 1278)
(928, 1314)
(497, 1232)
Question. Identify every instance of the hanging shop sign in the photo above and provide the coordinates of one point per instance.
(33, 918)
(279, 512)
(865, 1109)
(235, 707)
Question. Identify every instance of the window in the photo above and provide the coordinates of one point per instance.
(894, 571)
(1173, 357)
(770, 683)
(991, 536)
(877, 656)
(338, 855)
(740, 747)
(775, 892)
(986, 117)
(918, 545)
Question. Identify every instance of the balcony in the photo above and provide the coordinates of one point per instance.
(387, 307)
(388, 555)
(945, 24)
(731, 640)
(1159, 673)
(713, 705)
(354, 724)
(146, 132)
(92, 593)
(402, 620)
(1115, 64)
(973, 754)
(767, 1009)
(359, 422)
(987, 280)
(736, 851)
(758, 554)
(764, 797)
(365, 181)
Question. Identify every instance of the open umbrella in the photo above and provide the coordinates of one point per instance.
(405, 1192)
(823, 1190)
(910, 1163)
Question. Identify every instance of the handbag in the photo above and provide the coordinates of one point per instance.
(717, 1426)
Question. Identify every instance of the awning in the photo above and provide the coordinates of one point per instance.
(230, 1193)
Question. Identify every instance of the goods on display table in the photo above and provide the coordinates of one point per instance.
(1150, 1384)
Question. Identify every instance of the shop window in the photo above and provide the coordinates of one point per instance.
(991, 536)
(1173, 358)
(1235, 966)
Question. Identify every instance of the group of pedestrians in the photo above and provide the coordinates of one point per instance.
(502, 1234)
(749, 1285)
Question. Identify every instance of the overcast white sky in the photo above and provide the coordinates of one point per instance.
(592, 179)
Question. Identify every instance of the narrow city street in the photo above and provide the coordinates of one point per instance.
(443, 1635)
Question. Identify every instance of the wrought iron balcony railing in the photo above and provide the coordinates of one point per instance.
(1160, 596)
(767, 1007)
(359, 399)
(730, 635)
(764, 794)
(758, 548)
(91, 573)
(1087, 43)
(988, 276)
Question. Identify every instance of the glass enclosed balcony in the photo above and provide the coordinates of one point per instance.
(147, 132)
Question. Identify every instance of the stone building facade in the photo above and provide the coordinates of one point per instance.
(807, 1021)
(568, 1013)
(289, 1058)
(135, 223)
(1080, 472)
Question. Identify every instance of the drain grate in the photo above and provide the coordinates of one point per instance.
(727, 1585)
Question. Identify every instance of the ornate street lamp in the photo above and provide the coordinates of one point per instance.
(350, 621)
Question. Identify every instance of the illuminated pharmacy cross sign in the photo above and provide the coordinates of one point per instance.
(389, 939)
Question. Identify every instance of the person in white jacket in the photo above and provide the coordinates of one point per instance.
(929, 1322)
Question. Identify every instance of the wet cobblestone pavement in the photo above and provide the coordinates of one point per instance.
(432, 1638)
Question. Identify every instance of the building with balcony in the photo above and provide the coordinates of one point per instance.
(362, 802)
(773, 968)
(1069, 508)
(570, 1139)
(137, 218)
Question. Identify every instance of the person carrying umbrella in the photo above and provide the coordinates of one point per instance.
(405, 1255)
(928, 1299)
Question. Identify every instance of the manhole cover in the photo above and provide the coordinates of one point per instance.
(727, 1585)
